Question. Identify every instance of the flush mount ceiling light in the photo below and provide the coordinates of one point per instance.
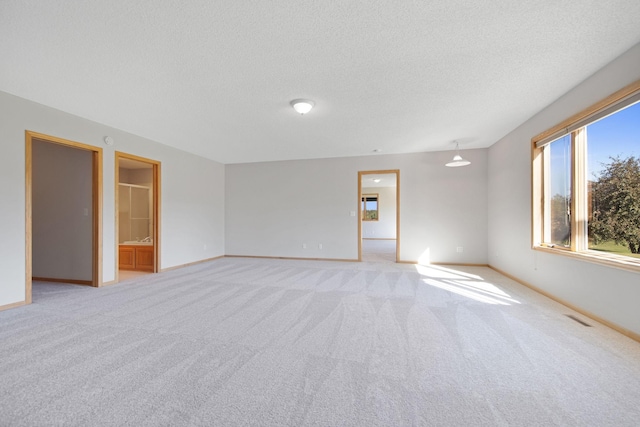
(302, 106)
(457, 159)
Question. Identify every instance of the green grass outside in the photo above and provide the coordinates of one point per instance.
(611, 247)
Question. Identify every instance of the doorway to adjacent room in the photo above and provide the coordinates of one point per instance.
(137, 215)
(378, 209)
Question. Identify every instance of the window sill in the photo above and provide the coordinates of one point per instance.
(610, 260)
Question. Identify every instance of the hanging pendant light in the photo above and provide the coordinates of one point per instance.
(457, 159)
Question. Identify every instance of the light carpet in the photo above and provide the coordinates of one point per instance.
(256, 342)
(374, 250)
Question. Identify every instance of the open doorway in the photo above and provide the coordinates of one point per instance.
(379, 213)
(63, 194)
(137, 215)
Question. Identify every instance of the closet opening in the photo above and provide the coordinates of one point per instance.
(63, 212)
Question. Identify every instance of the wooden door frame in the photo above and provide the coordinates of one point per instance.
(379, 172)
(155, 172)
(96, 196)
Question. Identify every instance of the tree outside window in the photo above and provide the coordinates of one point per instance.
(369, 207)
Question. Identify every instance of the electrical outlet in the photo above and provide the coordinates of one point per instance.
(459, 249)
(319, 245)
(304, 246)
(204, 247)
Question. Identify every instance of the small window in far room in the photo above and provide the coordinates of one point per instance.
(369, 207)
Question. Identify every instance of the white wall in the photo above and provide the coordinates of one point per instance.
(385, 226)
(193, 212)
(62, 212)
(192, 199)
(607, 292)
(269, 211)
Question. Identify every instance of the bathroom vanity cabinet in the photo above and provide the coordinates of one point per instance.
(135, 257)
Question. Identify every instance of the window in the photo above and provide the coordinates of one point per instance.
(369, 207)
(558, 207)
(586, 184)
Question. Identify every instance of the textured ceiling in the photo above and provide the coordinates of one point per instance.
(385, 180)
(215, 77)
